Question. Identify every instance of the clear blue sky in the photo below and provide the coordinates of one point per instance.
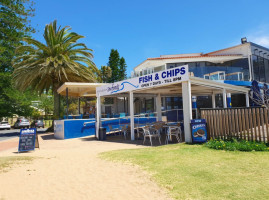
(140, 29)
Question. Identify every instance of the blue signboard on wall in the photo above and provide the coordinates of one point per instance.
(198, 130)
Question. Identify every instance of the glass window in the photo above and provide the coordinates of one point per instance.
(261, 69)
(255, 68)
(174, 103)
(266, 66)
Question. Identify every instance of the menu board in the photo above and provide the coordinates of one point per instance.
(27, 140)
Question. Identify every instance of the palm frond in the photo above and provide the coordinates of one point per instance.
(60, 59)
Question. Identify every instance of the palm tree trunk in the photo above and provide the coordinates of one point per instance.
(56, 109)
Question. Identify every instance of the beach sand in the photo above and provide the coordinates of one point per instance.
(71, 169)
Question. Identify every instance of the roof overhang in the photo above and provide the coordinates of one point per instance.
(153, 62)
(79, 89)
(199, 87)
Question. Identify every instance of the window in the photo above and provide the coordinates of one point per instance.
(174, 103)
(255, 68)
(266, 66)
(261, 69)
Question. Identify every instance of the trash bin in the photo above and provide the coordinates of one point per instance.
(198, 130)
(102, 133)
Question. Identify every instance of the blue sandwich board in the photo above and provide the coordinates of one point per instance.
(198, 130)
(28, 140)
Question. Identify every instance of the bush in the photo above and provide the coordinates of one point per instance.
(236, 145)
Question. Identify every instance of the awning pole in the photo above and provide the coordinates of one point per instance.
(98, 114)
(79, 105)
(67, 106)
(131, 100)
(187, 109)
(159, 107)
(224, 98)
(247, 100)
(213, 100)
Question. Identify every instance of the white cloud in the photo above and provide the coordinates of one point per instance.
(261, 40)
(259, 36)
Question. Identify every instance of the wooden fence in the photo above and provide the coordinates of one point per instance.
(241, 123)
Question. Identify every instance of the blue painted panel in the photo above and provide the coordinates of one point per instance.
(117, 122)
(75, 128)
(241, 83)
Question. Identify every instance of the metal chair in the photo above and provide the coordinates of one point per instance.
(113, 130)
(151, 132)
(125, 130)
(173, 131)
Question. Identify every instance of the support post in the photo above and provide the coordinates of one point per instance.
(79, 105)
(213, 100)
(67, 106)
(247, 100)
(98, 116)
(229, 100)
(194, 105)
(131, 102)
(187, 110)
(224, 98)
(159, 107)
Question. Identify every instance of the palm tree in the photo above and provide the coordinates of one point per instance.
(48, 66)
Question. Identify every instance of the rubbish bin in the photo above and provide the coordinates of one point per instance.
(198, 130)
(102, 133)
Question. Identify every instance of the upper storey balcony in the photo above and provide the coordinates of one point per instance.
(232, 71)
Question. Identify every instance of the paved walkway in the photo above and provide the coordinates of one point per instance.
(71, 169)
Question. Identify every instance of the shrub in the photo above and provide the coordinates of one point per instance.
(236, 145)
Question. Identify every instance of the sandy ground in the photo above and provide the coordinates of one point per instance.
(71, 169)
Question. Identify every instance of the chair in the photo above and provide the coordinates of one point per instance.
(70, 117)
(79, 116)
(126, 130)
(173, 131)
(91, 116)
(116, 116)
(111, 129)
(151, 132)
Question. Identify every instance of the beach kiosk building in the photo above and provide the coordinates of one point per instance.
(181, 82)
(174, 81)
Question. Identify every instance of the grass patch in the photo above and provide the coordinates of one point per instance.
(236, 145)
(197, 172)
(7, 162)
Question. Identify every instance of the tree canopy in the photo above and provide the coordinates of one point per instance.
(61, 59)
(105, 74)
(13, 101)
(14, 25)
(117, 65)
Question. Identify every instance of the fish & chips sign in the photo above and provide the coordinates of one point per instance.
(161, 78)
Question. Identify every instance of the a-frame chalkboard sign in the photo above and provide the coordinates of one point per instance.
(28, 140)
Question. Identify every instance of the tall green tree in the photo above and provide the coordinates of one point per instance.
(46, 103)
(61, 59)
(113, 63)
(13, 101)
(14, 25)
(105, 74)
(122, 69)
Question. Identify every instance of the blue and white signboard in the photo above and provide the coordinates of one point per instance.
(161, 78)
(198, 130)
(27, 141)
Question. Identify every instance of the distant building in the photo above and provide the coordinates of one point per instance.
(237, 65)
